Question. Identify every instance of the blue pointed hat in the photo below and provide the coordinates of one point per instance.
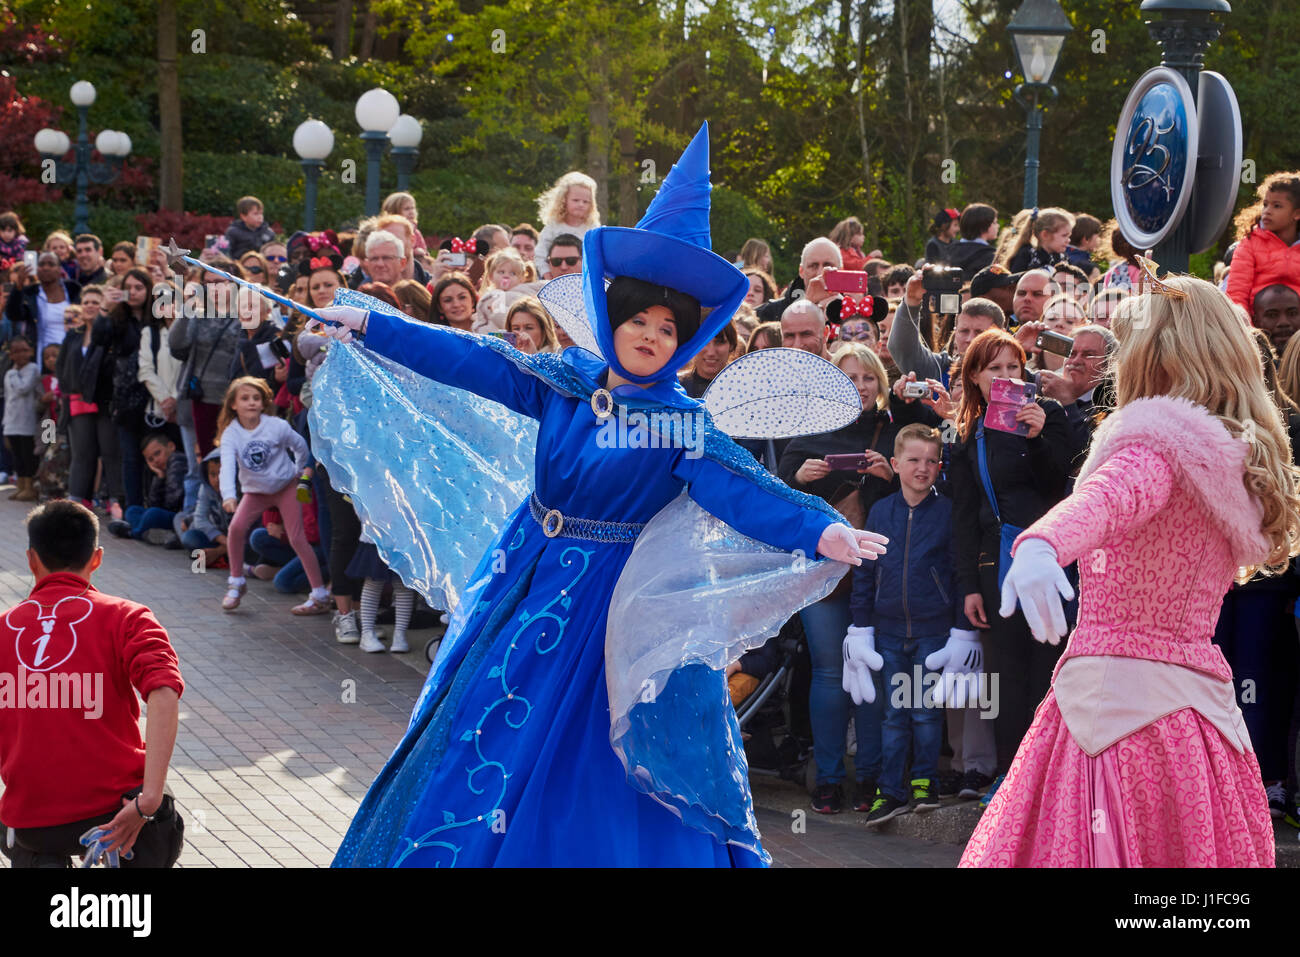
(670, 246)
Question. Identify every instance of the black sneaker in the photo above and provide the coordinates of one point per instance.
(973, 784)
(119, 528)
(949, 783)
(923, 796)
(866, 795)
(1276, 793)
(827, 799)
(885, 808)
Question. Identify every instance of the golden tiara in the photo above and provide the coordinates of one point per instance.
(1149, 267)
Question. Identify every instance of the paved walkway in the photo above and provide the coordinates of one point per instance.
(282, 730)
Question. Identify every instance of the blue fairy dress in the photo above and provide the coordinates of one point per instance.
(577, 712)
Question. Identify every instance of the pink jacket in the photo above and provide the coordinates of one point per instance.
(1262, 260)
(1159, 521)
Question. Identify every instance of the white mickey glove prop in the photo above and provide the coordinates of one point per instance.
(962, 662)
(1038, 583)
(350, 320)
(842, 543)
(860, 659)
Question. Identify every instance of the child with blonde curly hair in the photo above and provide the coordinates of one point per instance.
(567, 207)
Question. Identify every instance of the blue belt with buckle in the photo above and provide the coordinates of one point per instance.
(555, 524)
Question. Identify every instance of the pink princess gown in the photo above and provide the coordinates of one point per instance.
(1138, 755)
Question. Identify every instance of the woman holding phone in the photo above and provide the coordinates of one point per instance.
(848, 468)
(1002, 481)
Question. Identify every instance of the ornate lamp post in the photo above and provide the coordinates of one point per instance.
(112, 145)
(376, 112)
(312, 141)
(405, 136)
(1038, 32)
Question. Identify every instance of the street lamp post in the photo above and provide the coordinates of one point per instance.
(376, 112)
(1184, 30)
(112, 145)
(405, 137)
(1038, 32)
(312, 140)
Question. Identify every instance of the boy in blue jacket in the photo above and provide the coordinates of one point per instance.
(908, 618)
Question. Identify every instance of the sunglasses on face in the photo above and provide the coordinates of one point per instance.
(858, 336)
(564, 260)
(277, 259)
(253, 268)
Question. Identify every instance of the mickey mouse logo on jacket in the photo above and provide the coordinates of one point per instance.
(256, 454)
(44, 640)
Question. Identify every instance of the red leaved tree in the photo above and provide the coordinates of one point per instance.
(20, 169)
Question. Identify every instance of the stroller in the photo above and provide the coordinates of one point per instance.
(774, 717)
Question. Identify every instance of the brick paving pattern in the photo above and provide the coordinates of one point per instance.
(282, 729)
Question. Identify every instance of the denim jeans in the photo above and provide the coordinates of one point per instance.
(825, 623)
(142, 519)
(291, 579)
(913, 722)
(193, 538)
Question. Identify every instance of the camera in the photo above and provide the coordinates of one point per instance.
(456, 259)
(279, 348)
(1054, 342)
(915, 390)
(944, 282)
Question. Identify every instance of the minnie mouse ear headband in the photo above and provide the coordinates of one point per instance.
(328, 259)
(475, 247)
(945, 216)
(867, 307)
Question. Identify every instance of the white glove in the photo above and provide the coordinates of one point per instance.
(860, 659)
(962, 662)
(350, 319)
(843, 543)
(1037, 582)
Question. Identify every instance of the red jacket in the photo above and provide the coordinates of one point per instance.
(1262, 259)
(71, 662)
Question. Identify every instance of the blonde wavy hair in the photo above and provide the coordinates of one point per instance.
(550, 205)
(1198, 349)
(871, 362)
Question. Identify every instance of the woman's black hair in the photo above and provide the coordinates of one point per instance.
(627, 296)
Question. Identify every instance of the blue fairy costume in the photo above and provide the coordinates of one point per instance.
(577, 712)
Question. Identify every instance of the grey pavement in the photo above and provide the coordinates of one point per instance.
(282, 729)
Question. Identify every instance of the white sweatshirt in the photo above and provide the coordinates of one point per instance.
(269, 457)
(22, 398)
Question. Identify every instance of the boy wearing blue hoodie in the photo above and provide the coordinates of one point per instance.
(909, 619)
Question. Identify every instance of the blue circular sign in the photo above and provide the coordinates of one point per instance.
(1153, 163)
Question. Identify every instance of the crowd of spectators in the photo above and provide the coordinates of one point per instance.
(140, 392)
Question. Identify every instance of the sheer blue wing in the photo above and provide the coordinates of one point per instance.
(779, 394)
(694, 596)
(434, 472)
(562, 298)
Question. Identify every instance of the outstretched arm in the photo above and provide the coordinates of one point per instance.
(1125, 491)
(463, 360)
(746, 507)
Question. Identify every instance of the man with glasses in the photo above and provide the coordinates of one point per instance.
(385, 257)
(1077, 384)
(565, 256)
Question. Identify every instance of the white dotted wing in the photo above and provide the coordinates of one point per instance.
(780, 394)
(563, 299)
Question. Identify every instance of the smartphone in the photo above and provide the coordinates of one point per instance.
(1006, 398)
(30, 259)
(915, 390)
(845, 280)
(509, 337)
(1054, 342)
(144, 247)
(848, 461)
(456, 259)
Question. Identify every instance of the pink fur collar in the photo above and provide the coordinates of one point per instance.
(1206, 458)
